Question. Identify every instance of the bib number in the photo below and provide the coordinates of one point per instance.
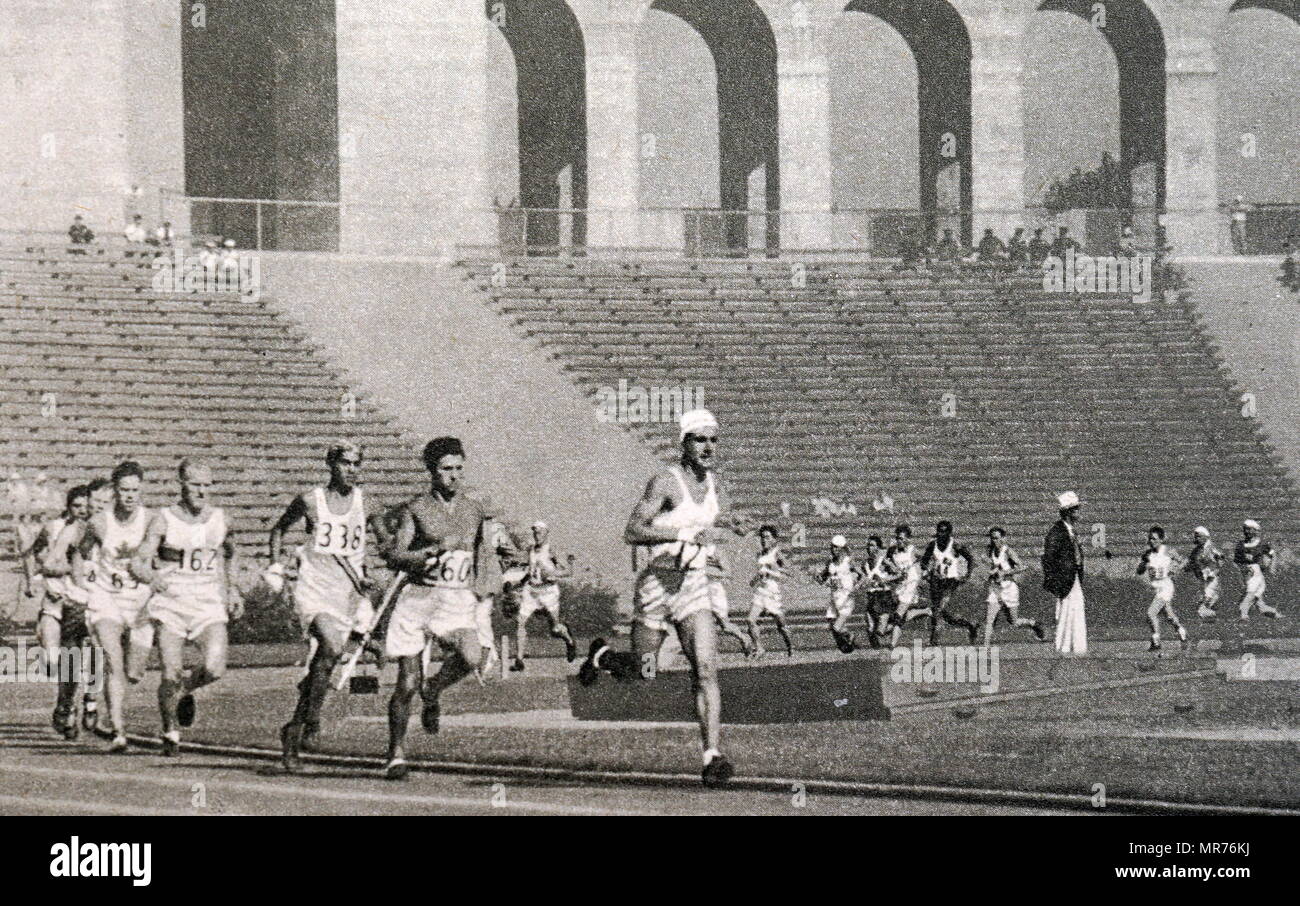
(337, 538)
(452, 570)
(199, 560)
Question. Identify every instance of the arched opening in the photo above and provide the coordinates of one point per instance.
(1070, 115)
(1258, 150)
(266, 128)
(549, 97)
(940, 46)
(741, 64)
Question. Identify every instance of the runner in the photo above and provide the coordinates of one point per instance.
(541, 591)
(1204, 562)
(767, 591)
(1004, 591)
(676, 518)
(115, 595)
(1157, 564)
(842, 576)
(331, 591)
(193, 598)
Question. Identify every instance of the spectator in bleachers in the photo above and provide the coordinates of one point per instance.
(80, 234)
(208, 257)
(1063, 243)
(164, 236)
(1126, 245)
(990, 248)
(1039, 248)
(135, 232)
(1017, 249)
(949, 249)
(229, 259)
(1238, 211)
(911, 249)
(1290, 278)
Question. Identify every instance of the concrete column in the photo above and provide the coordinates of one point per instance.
(407, 74)
(997, 32)
(804, 104)
(1192, 221)
(93, 114)
(613, 163)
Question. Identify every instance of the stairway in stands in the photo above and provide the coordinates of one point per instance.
(857, 396)
(96, 366)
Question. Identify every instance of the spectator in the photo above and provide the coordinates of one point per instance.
(1017, 250)
(1290, 278)
(80, 234)
(163, 236)
(135, 232)
(948, 249)
(1239, 209)
(990, 248)
(208, 257)
(1038, 248)
(1126, 244)
(1063, 243)
(229, 258)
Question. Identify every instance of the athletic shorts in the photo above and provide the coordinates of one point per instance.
(767, 599)
(907, 592)
(483, 622)
(129, 609)
(841, 604)
(1164, 592)
(188, 612)
(70, 615)
(1004, 594)
(880, 602)
(665, 596)
(533, 598)
(718, 601)
(346, 607)
(1255, 583)
(424, 612)
(1210, 590)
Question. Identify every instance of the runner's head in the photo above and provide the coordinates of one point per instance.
(101, 495)
(1156, 537)
(997, 534)
(875, 544)
(344, 461)
(903, 533)
(1250, 528)
(196, 484)
(444, 457)
(767, 537)
(127, 479)
(540, 533)
(1200, 534)
(943, 530)
(839, 546)
(76, 506)
(699, 436)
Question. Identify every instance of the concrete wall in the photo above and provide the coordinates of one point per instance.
(1257, 326)
(421, 344)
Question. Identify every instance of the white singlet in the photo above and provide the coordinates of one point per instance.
(192, 564)
(687, 515)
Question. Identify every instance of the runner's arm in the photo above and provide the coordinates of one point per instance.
(295, 512)
(142, 564)
(83, 551)
(640, 528)
(230, 559)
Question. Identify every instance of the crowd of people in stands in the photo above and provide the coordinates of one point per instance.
(220, 254)
(992, 251)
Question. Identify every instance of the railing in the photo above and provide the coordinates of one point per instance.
(421, 230)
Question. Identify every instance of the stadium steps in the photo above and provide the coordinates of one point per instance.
(98, 366)
(829, 382)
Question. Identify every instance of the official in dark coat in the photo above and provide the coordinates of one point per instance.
(1063, 577)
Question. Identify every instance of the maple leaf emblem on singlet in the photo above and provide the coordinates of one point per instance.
(124, 552)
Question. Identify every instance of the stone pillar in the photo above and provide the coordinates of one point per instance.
(412, 89)
(804, 102)
(613, 145)
(91, 94)
(997, 32)
(1192, 221)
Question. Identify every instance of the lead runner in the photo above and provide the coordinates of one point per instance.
(676, 518)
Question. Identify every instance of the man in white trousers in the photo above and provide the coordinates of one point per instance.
(1063, 577)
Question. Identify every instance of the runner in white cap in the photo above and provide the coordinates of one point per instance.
(842, 576)
(1204, 562)
(1255, 557)
(541, 591)
(676, 518)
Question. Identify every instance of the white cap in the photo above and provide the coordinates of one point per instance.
(1201, 530)
(694, 420)
(839, 541)
(1250, 523)
(539, 524)
(1068, 499)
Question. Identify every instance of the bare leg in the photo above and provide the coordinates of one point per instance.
(410, 672)
(171, 648)
(700, 645)
(109, 635)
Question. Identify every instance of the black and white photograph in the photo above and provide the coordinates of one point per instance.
(784, 408)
